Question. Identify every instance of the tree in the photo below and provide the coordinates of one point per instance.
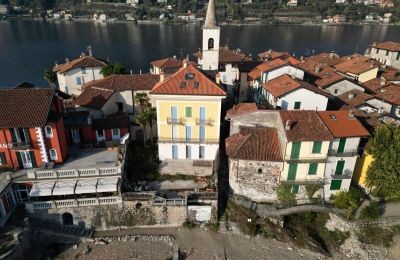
(142, 99)
(112, 69)
(50, 76)
(285, 195)
(142, 121)
(383, 174)
(151, 116)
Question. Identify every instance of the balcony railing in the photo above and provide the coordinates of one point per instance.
(72, 173)
(347, 174)
(306, 159)
(21, 145)
(175, 121)
(346, 153)
(188, 141)
(201, 121)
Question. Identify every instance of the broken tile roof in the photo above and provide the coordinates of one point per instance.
(81, 62)
(391, 74)
(188, 80)
(255, 144)
(305, 126)
(285, 84)
(25, 107)
(266, 66)
(241, 109)
(390, 46)
(343, 124)
(271, 55)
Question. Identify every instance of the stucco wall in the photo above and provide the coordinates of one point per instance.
(343, 87)
(309, 100)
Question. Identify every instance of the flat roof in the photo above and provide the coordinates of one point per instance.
(86, 159)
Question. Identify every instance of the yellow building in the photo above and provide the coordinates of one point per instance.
(359, 68)
(188, 117)
(360, 170)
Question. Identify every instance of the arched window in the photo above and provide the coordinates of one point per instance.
(210, 43)
(53, 154)
(48, 131)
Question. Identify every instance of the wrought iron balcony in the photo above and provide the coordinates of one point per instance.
(21, 145)
(200, 121)
(346, 153)
(188, 141)
(175, 121)
(347, 174)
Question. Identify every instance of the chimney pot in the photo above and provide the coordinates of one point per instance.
(288, 125)
(161, 76)
(185, 62)
(66, 60)
(217, 78)
(351, 95)
(383, 82)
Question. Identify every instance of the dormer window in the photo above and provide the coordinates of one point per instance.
(183, 84)
(189, 76)
(196, 84)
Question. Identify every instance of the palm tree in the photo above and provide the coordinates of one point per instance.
(142, 99)
(141, 119)
(151, 116)
(50, 76)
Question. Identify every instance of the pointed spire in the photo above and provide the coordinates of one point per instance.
(211, 17)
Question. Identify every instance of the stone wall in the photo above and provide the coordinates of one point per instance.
(256, 180)
(128, 214)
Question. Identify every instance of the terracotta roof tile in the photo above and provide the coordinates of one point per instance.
(25, 107)
(285, 84)
(330, 59)
(356, 66)
(256, 144)
(375, 84)
(390, 46)
(227, 56)
(266, 66)
(390, 94)
(241, 109)
(305, 126)
(135, 82)
(354, 97)
(391, 74)
(179, 84)
(341, 124)
(93, 97)
(271, 55)
(82, 62)
(168, 63)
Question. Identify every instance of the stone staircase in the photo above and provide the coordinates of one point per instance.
(67, 230)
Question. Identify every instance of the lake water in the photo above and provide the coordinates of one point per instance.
(28, 47)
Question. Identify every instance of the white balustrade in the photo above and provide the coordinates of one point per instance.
(42, 205)
(64, 203)
(88, 172)
(87, 202)
(108, 171)
(67, 173)
(46, 174)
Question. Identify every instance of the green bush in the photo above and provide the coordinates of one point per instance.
(371, 212)
(311, 189)
(348, 199)
(285, 195)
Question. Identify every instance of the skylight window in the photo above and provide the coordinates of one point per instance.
(189, 76)
(196, 84)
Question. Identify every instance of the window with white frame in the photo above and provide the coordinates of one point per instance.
(48, 131)
(53, 154)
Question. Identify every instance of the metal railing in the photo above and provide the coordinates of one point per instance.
(190, 141)
(202, 121)
(346, 153)
(175, 121)
(21, 145)
(347, 174)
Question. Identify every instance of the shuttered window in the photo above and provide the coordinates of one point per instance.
(312, 170)
(317, 147)
(336, 184)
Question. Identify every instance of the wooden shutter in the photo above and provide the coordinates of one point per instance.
(20, 163)
(317, 147)
(13, 137)
(339, 167)
(342, 144)
(313, 169)
(295, 153)
(33, 159)
(292, 171)
(336, 184)
(26, 133)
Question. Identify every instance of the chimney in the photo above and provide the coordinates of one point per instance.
(174, 56)
(332, 54)
(83, 54)
(288, 125)
(317, 69)
(351, 95)
(66, 60)
(161, 76)
(383, 82)
(131, 72)
(89, 50)
(217, 78)
(293, 76)
(185, 62)
(380, 110)
(351, 115)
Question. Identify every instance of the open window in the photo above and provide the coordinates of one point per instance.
(210, 43)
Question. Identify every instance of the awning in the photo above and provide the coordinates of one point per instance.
(41, 189)
(86, 186)
(107, 185)
(66, 187)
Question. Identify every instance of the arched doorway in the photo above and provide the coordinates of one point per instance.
(67, 219)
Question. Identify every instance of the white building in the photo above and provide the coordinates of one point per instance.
(3, 9)
(387, 53)
(72, 75)
(343, 150)
(211, 39)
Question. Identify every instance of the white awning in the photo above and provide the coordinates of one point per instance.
(41, 189)
(66, 187)
(107, 185)
(86, 186)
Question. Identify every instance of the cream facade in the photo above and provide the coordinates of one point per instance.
(71, 81)
(387, 57)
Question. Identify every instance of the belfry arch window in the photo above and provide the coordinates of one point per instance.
(210, 43)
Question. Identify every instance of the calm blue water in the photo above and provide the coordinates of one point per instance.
(28, 47)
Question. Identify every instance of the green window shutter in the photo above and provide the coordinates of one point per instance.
(335, 184)
(312, 170)
(292, 171)
(295, 189)
(33, 159)
(20, 163)
(295, 153)
(342, 144)
(2, 158)
(297, 105)
(339, 168)
(188, 112)
(317, 147)
(26, 133)
(13, 137)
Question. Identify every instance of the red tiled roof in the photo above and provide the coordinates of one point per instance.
(227, 56)
(25, 107)
(167, 63)
(271, 55)
(330, 59)
(389, 94)
(256, 144)
(375, 84)
(266, 66)
(178, 84)
(354, 97)
(82, 62)
(93, 97)
(285, 84)
(341, 124)
(355, 66)
(391, 74)
(134, 82)
(305, 126)
(292, 61)
(240, 109)
(390, 46)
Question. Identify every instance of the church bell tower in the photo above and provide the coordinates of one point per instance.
(211, 35)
